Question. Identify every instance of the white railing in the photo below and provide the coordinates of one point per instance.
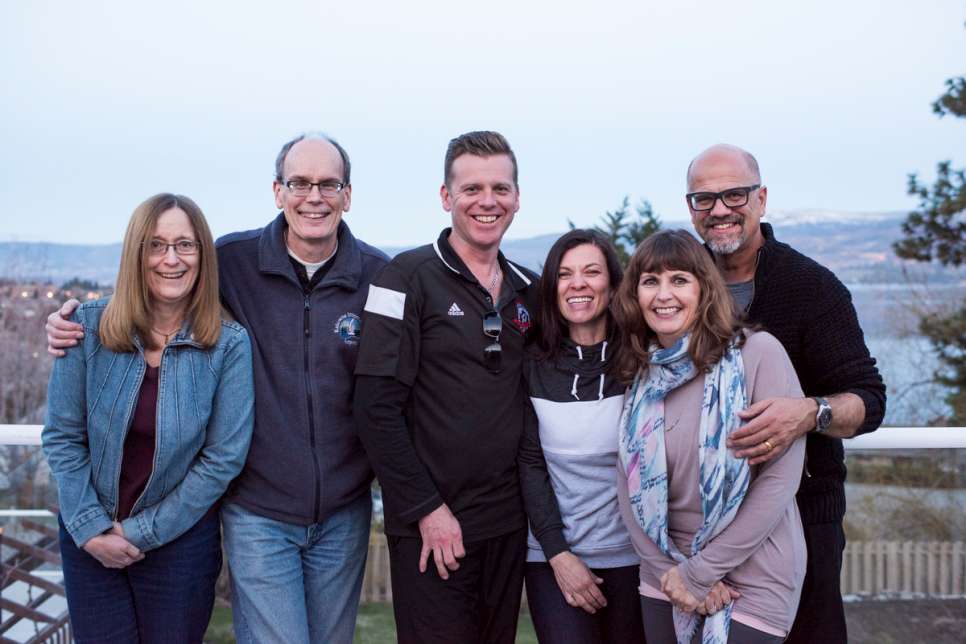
(869, 567)
(909, 438)
(883, 438)
(20, 434)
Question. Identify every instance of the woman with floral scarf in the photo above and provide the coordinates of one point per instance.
(721, 543)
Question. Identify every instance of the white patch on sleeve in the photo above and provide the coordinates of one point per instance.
(386, 302)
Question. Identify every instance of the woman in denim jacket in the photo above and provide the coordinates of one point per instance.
(149, 419)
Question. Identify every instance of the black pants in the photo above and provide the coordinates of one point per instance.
(557, 622)
(659, 627)
(478, 604)
(821, 615)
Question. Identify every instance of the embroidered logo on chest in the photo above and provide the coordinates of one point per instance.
(348, 327)
(522, 319)
(455, 310)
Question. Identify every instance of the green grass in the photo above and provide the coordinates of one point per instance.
(373, 626)
(219, 628)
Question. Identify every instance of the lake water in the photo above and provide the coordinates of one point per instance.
(906, 360)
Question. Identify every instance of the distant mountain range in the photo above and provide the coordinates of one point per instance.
(857, 246)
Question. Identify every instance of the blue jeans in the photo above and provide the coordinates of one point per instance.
(165, 597)
(296, 584)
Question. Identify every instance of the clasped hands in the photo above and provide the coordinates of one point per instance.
(112, 549)
(720, 595)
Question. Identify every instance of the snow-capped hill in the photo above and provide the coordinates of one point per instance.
(819, 217)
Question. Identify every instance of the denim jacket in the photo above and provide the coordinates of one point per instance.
(203, 429)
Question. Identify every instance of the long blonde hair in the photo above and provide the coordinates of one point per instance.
(129, 310)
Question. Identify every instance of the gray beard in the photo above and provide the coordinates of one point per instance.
(725, 248)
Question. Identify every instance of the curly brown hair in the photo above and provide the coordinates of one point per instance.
(715, 323)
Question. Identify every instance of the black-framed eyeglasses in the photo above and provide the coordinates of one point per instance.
(303, 187)
(732, 198)
(157, 248)
(492, 353)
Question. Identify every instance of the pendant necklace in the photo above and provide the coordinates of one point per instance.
(166, 336)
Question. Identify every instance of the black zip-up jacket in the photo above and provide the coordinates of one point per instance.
(810, 311)
(305, 460)
(439, 423)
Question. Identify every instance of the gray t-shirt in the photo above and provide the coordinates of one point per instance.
(742, 293)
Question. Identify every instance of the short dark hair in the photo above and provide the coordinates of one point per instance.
(483, 143)
(552, 328)
(715, 323)
(280, 159)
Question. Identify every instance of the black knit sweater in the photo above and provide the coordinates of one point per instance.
(810, 311)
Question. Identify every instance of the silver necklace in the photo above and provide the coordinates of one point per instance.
(496, 276)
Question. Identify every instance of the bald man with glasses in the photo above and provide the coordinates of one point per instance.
(810, 311)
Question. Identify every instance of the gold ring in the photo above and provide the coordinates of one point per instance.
(768, 444)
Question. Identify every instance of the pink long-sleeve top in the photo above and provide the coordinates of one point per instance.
(762, 552)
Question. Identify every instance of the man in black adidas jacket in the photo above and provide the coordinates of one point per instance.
(809, 310)
(440, 408)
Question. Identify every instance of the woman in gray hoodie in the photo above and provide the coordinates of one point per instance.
(582, 570)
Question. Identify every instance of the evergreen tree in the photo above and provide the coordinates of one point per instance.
(625, 230)
(646, 224)
(936, 232)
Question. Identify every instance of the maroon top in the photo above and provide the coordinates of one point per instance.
(138, 460)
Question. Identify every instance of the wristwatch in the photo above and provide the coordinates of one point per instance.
(823, 417)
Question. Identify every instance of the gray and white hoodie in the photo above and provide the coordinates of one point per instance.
(568, 458)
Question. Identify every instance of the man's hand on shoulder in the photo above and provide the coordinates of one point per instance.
(773, 425)
(62, 333)
(443, 538)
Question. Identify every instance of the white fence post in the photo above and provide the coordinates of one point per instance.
(931, 568)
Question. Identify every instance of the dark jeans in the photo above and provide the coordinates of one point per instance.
(478, 604)
(557, 622)
(659, 627)
(821, 615)
(165, 597)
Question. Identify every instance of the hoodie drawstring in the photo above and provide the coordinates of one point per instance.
(580, 356)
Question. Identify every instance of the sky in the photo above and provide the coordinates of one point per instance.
(107, 103)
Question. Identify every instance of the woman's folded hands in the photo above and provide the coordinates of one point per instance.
(720, 595)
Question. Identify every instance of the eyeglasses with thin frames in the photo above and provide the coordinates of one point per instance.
(303, 187)
(182, 247)
(492, 353)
